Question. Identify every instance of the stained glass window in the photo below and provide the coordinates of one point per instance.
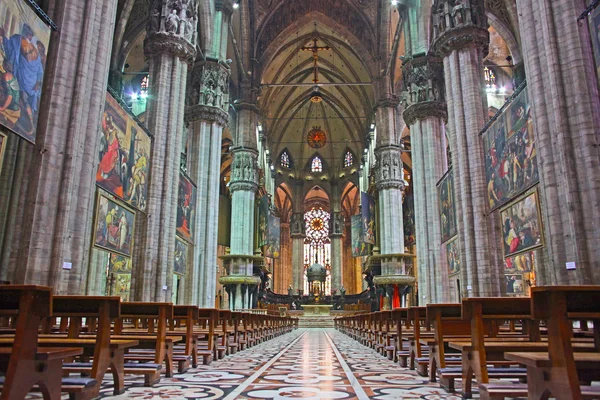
(285, 160)
(348, 160)
(317, 165)
(317, 245)
(144, 84)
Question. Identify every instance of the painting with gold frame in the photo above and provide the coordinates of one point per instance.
(453, 256)
(181, 256)
(113, 226)
(522, 225)
(3, 141)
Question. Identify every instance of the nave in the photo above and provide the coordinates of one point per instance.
(305, 363)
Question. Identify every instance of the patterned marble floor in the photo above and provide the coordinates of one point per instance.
(304, 364)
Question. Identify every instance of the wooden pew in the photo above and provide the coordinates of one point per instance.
(188, 317)
(159, 344)
(24, 363)
(206, 326)
(558, 372)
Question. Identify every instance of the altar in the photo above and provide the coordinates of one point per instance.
(317, 309)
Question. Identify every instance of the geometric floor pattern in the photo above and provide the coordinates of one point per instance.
(304, 364)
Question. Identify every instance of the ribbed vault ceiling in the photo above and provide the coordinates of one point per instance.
(344, 114)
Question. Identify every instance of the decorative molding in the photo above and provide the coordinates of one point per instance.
(206, 113)
(388, 168)
(458, 24)
(423, 88)
(162, 42)
(209, 85)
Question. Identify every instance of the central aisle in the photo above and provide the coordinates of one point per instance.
(305, 364)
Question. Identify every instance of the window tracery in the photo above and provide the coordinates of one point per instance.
(285, 160)
(348, 159)
(317, 165)
(317, 245)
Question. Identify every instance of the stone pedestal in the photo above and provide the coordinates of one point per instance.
(240, 284)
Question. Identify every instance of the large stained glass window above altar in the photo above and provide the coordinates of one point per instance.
(317, 245)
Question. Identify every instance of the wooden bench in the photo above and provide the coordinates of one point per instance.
(207, 321)
(24, 364)
(559, 372)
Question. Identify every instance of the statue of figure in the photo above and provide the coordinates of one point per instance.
(337, 228)
(343, 291)
(172, 22)
(290, 291)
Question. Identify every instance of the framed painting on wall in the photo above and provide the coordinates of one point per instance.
(367, 203)
(453, 257)
(521, 225)
(123, 156)
(181, 257)
(514, 284)
(186, 207)
(359, 247)
(120, 264)
(24, 41)
(520, 263)
(113, 226)
(447, 206)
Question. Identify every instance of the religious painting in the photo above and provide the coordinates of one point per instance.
(594, 19)
(514, 284)
(24, 40)
(359, 247)
(521, 225)
(124, 156)
(186, 207)
(113, 229)
(181, 257)
(520, 263)
(510, 153)
(3, 143)
(123, 286)
(447, 204)
(408, 213)
(453, 256)
(272, 246)
(367, 210)
(263, 220)
(119, 264)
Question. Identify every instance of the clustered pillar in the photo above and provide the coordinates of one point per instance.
(298, 233)
(425, 113)
(461, 38)
(170, 48)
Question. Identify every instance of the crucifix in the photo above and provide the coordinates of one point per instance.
(315, 50)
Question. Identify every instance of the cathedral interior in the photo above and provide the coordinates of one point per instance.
(315, 160)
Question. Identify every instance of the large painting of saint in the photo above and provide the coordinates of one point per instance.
(367, 203)
(510, 153)
(521, 225)
(113, 230)
(453, 256)
(181, 257)
(447, 206)
(359, 247)
(186, 207)
(24, 41)
(272, 246)
(124, 156)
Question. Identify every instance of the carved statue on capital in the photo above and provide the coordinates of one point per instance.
(244, 170)
(389, 168)
(337, 224)
(298, 226)
(423, 88)
(209, 85)
(457, 23)
(172, 26)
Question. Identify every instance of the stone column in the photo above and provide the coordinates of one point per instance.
(563, 91)
(298, 233)
(336, 232)
(206, 116)
(51, 188)
(170, 46)
(461, 38)
(425, 113)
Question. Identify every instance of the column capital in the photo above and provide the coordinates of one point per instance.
(240, 105)
(336, 225)
(388, 169)
(225, 6)
(458, 25)
(244, 170)
(206, 113)
(297, 226)
(209, 86)
(423, 88)
(172, 26)
(389, 101)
